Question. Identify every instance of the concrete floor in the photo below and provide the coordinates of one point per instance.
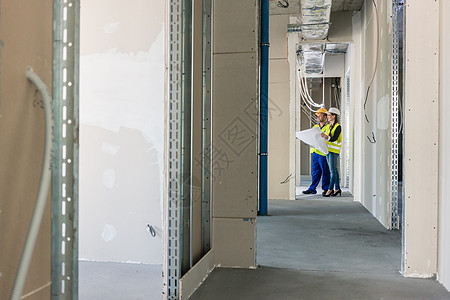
(107, 280)
(321, 248)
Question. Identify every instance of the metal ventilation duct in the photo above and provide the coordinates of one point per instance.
(315, 18)
(315, 22)
(312, 57)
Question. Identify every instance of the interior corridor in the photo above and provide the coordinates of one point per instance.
(321, 248)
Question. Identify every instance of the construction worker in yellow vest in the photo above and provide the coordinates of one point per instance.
(319, 166)
(333, 137)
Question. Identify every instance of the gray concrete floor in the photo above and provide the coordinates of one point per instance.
(111, 281)
(321, 248)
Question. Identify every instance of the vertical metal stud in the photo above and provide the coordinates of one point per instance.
(174, 184)
(206, 135)
(394, 116)
(347, 131)
(65, 164)
(186, 137)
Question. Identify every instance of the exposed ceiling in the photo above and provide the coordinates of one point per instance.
(346, 5)
(313, 24)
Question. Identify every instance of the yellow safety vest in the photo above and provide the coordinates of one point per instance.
(324, 130)
(335, 146)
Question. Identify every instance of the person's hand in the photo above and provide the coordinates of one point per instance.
(324, 136)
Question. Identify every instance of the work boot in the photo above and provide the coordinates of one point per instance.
(308, 191)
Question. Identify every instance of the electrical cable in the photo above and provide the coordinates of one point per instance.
(374, 70)
(304, 93)
(287, 179)
(44, 187)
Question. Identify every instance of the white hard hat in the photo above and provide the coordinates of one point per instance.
(334, 110)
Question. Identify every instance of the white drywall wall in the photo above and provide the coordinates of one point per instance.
(121, 133)
(444, 147)
(375, 157)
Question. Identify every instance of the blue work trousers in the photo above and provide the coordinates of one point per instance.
(319, 168)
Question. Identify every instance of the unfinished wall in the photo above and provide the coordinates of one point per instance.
(342, 28)
(281, 184)
(444, 147)
(375, 135)
(235, 127)
(121, 146)
(421, 160)
(25, 40)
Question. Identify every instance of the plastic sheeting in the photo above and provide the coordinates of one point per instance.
(313, 138)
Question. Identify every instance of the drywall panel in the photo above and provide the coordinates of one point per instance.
(279, 71)
(421, 142)
(279, 140)
(25, 40)
(374, 113)
(444, 147)
(235, 121)
(234, 132)
(356, 99)
(122, 120)
(234, 242)
(196, 275)
(238, 35)
(382, 121)
(278, 36)
(294, 109)
(341, 27)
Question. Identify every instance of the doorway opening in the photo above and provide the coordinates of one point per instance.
(367, 208)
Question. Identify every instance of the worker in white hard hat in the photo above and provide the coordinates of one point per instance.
(333, 137)
(319, 166)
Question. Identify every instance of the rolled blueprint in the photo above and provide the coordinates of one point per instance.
(313, 138)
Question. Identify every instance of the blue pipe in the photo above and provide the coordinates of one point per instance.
(264, 96)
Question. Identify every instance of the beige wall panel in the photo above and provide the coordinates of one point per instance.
(235, 171)
(278, 37)
(234, 242)
(278, 71)
(341, 28)
(196, 275)
(421, 142)
(279, 140)
(25, 40)
(444, 148)
(238, 35)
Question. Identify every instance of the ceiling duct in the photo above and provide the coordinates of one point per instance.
(312, 57)
(315, 23)
(315, 18)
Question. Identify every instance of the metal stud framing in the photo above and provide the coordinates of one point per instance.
(172, 263)
(185, 137)
(394, 116)
(206, 135)
(65, 159)
(347, 131)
